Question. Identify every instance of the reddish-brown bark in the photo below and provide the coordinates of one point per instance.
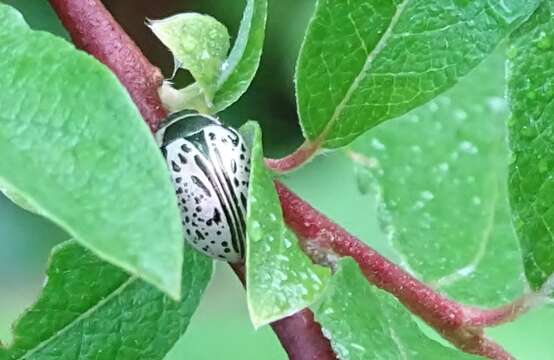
(299, 334)
(94, 30)
(460, 324)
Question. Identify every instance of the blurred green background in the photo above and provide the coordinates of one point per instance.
(221, 328)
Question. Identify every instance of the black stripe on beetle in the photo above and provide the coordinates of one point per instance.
(211, 161)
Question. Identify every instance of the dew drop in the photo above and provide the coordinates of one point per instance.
(544, 42)
(468, 147)
(460, 114)
(497, 104)
(377, 145)
(433, 106)
(443, 167)
(427, 195)
(287, 242)
(255, 231)
(512, 52)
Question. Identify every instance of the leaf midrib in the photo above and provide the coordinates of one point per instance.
(363, 72)
(78, 319)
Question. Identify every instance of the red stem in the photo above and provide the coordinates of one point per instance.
(94, 30)
(290, 162)
(299, 334)
(460, 324)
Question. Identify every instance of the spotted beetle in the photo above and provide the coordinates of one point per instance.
(210, 168)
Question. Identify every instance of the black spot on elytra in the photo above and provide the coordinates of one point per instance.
(185, 148)
(242, 156)
(229, 216)
(234, 138)
(236, 182)
(234, 166)
(243, 200)
(178, 180)
(187, 219)
(218, 232)
(211, 136)
(188, 232)
(224, 244)
(175, 167)
(199, 235)
(226, 250)
(216, 217)
(198, 209)
(242, 148)
(179, 190)
(183, 159)
(205, 248)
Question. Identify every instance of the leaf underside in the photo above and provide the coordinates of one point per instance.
(440, 173)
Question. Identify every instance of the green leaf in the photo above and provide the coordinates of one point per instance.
(75, 147)
(364, 322)
(280, 278)
(11, 20)
(531, 94)
(441, 175)
(367, 61)
(91, 309)
(199, 43)
(18, 200)
(241, 65)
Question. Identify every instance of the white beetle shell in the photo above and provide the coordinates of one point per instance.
(210, 168)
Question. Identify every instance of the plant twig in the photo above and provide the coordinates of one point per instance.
(460, 324)
(293, 161)
(299, 334)
(94, 30)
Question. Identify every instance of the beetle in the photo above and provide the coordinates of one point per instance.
(210, 169)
